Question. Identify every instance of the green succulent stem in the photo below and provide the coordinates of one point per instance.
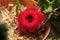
(17, 7)
(49, 7)
(3, 31)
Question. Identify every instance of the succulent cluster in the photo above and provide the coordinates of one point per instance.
(49, 7)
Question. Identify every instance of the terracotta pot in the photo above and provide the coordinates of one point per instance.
(48, 28)
(29, 3)
(6, 2)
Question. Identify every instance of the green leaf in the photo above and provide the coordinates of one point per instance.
(3, 31)
(50, 1)
(49, 9)
(49, 38)
(17, 7)
(56, 24)
(49, 6)
(49, 16)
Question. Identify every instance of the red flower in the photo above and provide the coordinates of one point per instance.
(30, 20)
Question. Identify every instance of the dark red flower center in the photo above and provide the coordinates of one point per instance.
(29, 18)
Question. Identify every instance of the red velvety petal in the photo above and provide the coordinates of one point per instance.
(21, 28)
(38, 17)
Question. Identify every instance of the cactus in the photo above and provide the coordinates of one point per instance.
(3, 31)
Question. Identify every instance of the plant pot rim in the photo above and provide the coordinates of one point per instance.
(48, 28)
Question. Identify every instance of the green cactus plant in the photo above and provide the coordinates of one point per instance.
(3, 31)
